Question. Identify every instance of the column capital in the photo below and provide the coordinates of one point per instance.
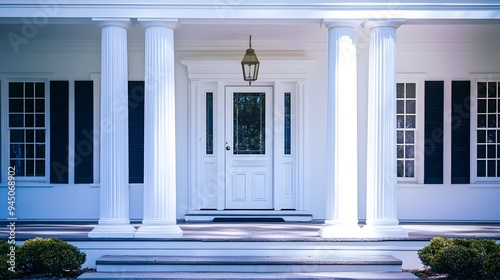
(386, 22)
(113, 22)
(158, 22)
(336, 23)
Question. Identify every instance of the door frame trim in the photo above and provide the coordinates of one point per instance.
(204, 192)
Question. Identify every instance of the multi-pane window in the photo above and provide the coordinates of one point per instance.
(27, 127)
(406, 111)
(488, 130)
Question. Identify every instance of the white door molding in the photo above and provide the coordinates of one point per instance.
(207, 167)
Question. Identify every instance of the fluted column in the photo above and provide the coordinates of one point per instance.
(114, 186)
(381, 216)
(159, 133)
(342, 137)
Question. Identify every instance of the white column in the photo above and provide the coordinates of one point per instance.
(114, 190)
(342, 137)
(381, 216)
(159, 133)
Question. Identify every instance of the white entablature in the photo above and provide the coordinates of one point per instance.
(261, 9)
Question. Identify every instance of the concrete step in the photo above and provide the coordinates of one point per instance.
(250, 264)
(249, 275)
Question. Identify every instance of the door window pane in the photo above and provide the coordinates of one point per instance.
(288, 125)
(249, 123)
(209, 119)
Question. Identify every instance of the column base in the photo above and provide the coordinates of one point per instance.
(156, 230)
(383, 229)
(340, 230)
(113, 231)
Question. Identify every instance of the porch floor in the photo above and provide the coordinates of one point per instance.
(278, 231)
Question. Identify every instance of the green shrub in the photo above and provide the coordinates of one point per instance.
(462, 258)
(49, 256)
(7, 269)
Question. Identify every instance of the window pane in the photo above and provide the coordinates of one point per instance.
(400, 120)
(492, 106)
(400, 151)
(492, 136)
(481, 89)
(481, 136)
(410, 90)
(481, 168)
(40, 136)
(16, 105)
(16, 89)
(492, 120)
(400, 109)
(30, 136)
(16, 120)
(209, 123)
(29, 105)
(30, 151)
(19, 165)
(400, 90)
(16, 151)
(30, 167)
(410, 137)
(492, 89)
(481, 151)
(17, 136)
(40, 105)
(410, 151)
(492, 151)
(40, 168)
(400, 169)
(400, 137)
(492, 167)
(29, 120)
(481, 106)
(410, 168)
(40, 151)
(249, 125)
(410, 122)
(410, 107)
(287, 123)
(481, 120)
(40, 120)
(29, 89)
(40, 90)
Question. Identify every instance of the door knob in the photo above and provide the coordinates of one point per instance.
(228, 148)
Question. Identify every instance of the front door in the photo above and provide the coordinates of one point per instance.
(249, 143)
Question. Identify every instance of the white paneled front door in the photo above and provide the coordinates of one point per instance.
(249, 144)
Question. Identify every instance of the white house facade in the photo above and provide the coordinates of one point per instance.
(122, 112)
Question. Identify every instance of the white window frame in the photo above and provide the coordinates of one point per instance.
(479, 181)
(5, 144)
(418, 80)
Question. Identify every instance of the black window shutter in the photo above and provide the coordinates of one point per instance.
(59, 131)
(460, 132)
(84, 127)
(136, 131)
(434, 131)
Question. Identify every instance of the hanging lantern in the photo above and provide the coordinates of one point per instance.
(250, 64)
